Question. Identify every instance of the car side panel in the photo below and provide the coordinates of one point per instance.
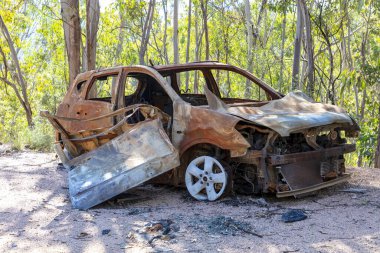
(194, 125)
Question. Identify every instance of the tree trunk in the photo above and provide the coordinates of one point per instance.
(23, 97)
(362, 106)
(309, 49)
(146, 32)
(349, 55)
(120, 42)
(249, 26)
(198, 40)
(205, 27)
(227, 50)
(92, 22)
(84, 55)
(175, 32)
(165, 7)
(297, 48)
(72, 33)
(331, 74)
(377, 154)
(257, 29)
(363, 56)
(188, 43)
(283, 38)
(255, 33)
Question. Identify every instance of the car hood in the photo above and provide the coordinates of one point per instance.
(294, 112)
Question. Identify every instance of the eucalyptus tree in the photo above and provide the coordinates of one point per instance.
(175, 32)
(72, 31)
(12, 74)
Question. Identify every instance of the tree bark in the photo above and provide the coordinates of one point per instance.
(349, 54)
(363, 57)
(165, 7)
(377, 153)
(72, 33)
(249, 26)
(226, 59)
(188, 43)
(255, 33)
(205, 27)
(297, 48)
(309, 49)
(257, 28)
(175, 32)
(146, 32)
(23, 96)
(331, 74)
(92, 23)
(283, 38)
(119, 47)
(198, 40)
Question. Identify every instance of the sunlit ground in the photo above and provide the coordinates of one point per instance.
(36, 216)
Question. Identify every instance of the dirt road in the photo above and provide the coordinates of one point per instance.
(36, 216)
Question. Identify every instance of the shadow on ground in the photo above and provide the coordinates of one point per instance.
(36, 216)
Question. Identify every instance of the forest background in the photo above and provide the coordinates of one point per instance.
(329, 49)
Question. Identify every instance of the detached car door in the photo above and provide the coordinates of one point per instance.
(141, 152)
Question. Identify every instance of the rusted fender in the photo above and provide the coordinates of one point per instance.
(126, 161)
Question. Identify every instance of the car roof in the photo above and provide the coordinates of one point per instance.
(190, 65)
(162, 68)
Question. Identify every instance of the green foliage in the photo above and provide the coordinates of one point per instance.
(352, 28)
(40, 137)
(366, 142)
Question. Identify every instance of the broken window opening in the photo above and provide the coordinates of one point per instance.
(144, 89)
(101, 88)
(230, 83)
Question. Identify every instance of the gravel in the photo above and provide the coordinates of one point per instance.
(36, 216)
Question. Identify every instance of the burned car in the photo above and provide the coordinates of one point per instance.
(123, 126)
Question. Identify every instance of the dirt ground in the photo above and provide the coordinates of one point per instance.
(36, 216)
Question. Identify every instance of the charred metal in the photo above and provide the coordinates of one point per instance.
(119, 127)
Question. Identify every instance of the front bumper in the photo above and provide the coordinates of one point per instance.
(343, 178)
(311, 155)
(301, 173)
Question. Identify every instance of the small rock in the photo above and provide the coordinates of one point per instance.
(293, 215)
(83, 235)
(106, 231)
(262, 202)
(13, 245)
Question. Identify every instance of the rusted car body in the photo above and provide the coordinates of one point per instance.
(288, 145)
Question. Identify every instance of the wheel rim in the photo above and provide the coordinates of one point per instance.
(205, 178)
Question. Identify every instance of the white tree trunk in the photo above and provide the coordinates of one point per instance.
(249, 27)
(175, 32)
(165, 49)
(188, 42)
(146, 32)
(283, 37)
(297, 48)
(309, 49)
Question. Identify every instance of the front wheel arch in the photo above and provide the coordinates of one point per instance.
(199, 149)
